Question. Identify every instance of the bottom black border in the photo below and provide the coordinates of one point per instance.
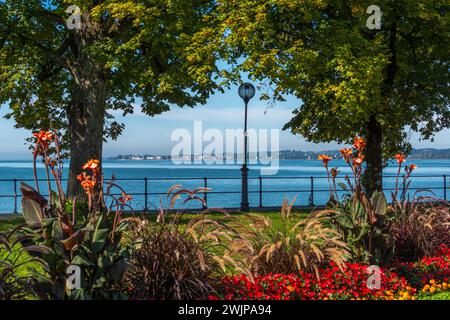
(136, 310)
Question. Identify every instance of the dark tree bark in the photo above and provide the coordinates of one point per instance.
(373, 177)
(86, 119)
(86, 111)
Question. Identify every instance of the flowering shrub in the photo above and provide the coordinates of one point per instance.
(332, 285)
(91, 241)
(360, 219)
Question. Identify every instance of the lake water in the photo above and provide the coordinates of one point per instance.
(293, 178)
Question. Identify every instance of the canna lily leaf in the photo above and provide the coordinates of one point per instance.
(32, 212)
(82, 260)
(344, 221)
(119, 269)
(379, 203)
(30, 194)
(99, 239)
(74, 240)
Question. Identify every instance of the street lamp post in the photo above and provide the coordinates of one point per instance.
(246, 92)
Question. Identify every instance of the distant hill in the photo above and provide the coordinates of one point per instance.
(428, 153)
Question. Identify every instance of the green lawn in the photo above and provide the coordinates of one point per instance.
(438, 296)
(11, 222)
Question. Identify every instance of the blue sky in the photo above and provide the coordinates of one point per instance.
(144, 134)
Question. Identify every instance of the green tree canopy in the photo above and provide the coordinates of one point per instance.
(56, 77)
(352, 80)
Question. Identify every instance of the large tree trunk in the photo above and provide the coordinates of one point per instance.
(373, 177)
(86, 119)
(87, 110)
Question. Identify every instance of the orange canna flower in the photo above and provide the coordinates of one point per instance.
(43, 136)
(400, 158)
(412, 167)
(359, 143)
(346, 154)
(125, 198)
(92, 165)
(43, 140)
(325, 159)
(87, 182)
(83, 176)
(88, 185)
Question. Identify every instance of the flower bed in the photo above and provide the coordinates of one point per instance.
(422, 279)
(428, 268)
(332, 285)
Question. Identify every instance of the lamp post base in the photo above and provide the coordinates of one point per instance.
(244, 202)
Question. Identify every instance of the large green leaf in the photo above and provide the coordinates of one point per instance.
(119, 269)
(57, 232)
(74, 240)
(55, 201)
(99, 239)
(32, 212)
(379, 203)
(82, 260)
(344, 221)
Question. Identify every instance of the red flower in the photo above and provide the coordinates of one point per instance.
(43, 136)
(400, 158)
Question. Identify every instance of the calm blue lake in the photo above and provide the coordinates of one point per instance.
(293, 178)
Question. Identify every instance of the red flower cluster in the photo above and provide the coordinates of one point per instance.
(428, 268)
(332, 285)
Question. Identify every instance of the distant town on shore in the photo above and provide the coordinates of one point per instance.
(429, 153)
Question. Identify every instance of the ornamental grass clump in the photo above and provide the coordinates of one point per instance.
(422, 222)
(289, 247)
(174, 260)
(424, 227)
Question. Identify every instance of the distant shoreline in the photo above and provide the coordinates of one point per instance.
(416, 154)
